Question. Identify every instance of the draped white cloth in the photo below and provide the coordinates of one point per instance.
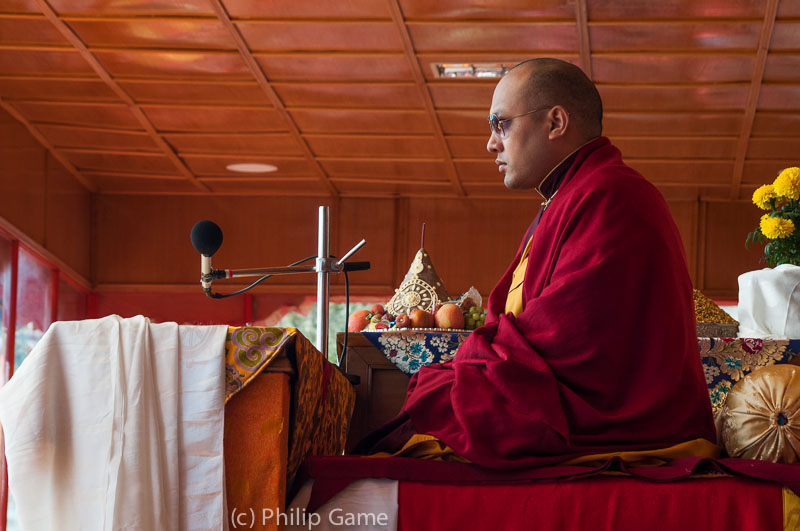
(769, 303)
(117, 424)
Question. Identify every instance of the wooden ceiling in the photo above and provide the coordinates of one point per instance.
(159, 96)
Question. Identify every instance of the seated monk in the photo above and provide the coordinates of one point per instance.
(589, 345)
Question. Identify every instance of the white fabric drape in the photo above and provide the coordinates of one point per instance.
(117, 424)
(769, 303)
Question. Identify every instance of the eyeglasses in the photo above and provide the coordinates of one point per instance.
(496, 124)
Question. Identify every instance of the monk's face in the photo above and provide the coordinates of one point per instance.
(521, 147)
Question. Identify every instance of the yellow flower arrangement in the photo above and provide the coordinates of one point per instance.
(788, 183)
(774, 228)
(763, 195)
(777, 227)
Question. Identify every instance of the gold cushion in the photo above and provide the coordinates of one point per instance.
(760, 418)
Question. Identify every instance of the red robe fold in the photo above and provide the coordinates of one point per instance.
(603, 356)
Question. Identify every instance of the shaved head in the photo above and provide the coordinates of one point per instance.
(557, 82)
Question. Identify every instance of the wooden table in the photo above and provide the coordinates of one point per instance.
(382, 390)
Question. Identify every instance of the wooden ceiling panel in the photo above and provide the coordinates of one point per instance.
(19, 6)
(462, 95)
(254, 144)
(306, 9)
(131, 7)
(480, 9)
(153, 33)
(774, 148)
(786, 35)
(673, 98)
(379, 188)
(297, 186)
(140, 162)
(782, 68)
(26, 30)
(160, 91)
(675, 9)
(469, 146)
(402, 95)
(372, 146)
(438, 37)
(671, 124)
(652, 68)
(75, 137)
(208, 119)
(208, 165)
(677, 148)
(60, 89)
(359, 121)
(175, 63)
(673, 36)
(708, 172)
(321, 36)
(50, 62)
(114, 116)
(464, 122)
(382, 169)
(776, 124)
(779, 97)
(388, 67)
(789, 8)
(758, 172)
(428, 61)
(135, 185)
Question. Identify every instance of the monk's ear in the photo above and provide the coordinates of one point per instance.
(559, 122)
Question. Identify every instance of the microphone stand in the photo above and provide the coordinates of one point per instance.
(324, 266)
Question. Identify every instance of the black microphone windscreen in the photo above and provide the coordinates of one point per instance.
(206, 237)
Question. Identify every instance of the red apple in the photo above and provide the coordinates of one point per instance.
(377, 309)
(402, 321)
(450, 316)
(421, 319)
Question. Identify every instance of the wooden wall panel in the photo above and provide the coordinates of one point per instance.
(374, 221)
(471, 243)
(22, 201)
(67, 218)
(41, 199)
(145, 239)
(685, 215)
(727, 226)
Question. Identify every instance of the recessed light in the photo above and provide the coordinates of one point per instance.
(470, 70)
(251, 167)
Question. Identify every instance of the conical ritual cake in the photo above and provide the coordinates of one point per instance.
(421, 288)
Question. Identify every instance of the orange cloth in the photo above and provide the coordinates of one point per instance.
(424, 446)
(660, 456)
(256, 446)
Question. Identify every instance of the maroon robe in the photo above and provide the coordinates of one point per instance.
(603, 356)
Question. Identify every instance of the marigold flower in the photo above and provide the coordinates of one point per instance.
(774, 228)
(788, 183)
(763, 195)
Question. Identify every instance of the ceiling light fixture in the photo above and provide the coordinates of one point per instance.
(251, 167)
(470, 70)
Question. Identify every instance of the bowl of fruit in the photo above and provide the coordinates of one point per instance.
(465, 315)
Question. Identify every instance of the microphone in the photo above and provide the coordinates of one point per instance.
(206, 240)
